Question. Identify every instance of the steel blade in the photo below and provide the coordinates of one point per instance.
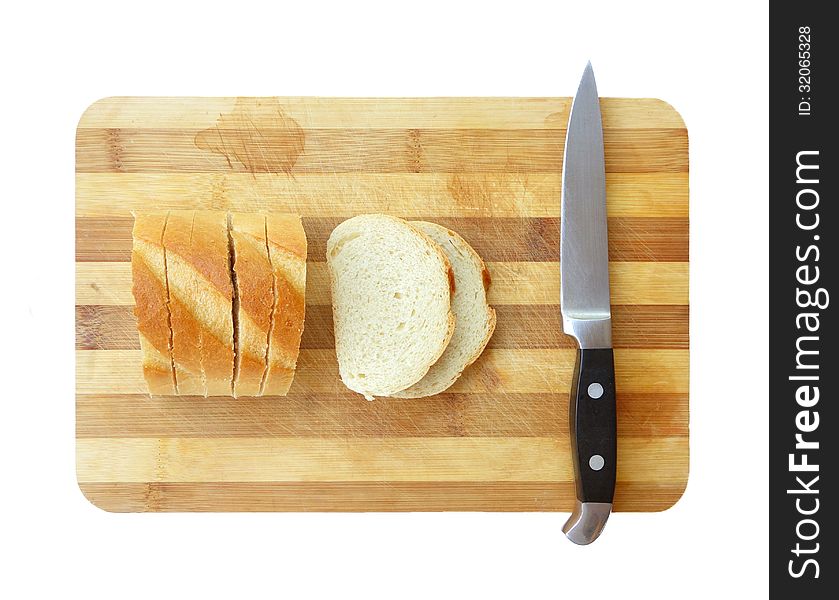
(584, 256)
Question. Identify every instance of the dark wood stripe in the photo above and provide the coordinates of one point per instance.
(631, 239)
(519, 326)
(371, 150)
(101, 327)
(367, 496)
(344, 414)
(633, 326)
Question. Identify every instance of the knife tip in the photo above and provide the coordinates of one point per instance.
(587, 81)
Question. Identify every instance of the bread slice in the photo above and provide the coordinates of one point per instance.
(151, 302)
(213, 302)
(287, 250)
(201, 301)
(475, 319)
(254, 281)
(186, 349)
(391, 295)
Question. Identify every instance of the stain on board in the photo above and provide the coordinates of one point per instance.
(258, 134)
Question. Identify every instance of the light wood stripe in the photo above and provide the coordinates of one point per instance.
(519, 326)
(380, 496)
(344, 414)
(538, 283)
(263, 459)
(411, 195)
(637, 283)
(497, 372)
(496, 240)
(413, 150)
(351, 113)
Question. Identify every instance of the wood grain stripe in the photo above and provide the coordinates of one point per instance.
(352, 113)
(639, 283)
(412, 195)
(131, 150)
(347, 415)
(519, 326)
(496, 372)
(264, 459)
(647, 239)
(377, 496)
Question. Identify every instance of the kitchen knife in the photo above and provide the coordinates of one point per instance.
(586, 315)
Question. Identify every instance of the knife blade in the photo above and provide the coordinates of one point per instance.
(586, 315)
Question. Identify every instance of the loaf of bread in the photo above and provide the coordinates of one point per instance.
(474, 319)
(391, 296)
(213, 305)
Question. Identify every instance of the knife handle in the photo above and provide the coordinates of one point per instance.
(593, 423)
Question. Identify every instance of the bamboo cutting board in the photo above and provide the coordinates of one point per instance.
(488, 168)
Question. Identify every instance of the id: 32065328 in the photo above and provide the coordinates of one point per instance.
(804, 70)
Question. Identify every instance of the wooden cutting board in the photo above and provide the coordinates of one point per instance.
(488, 168)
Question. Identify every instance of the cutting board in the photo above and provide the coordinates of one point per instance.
(488, 168)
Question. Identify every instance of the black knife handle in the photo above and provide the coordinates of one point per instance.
(593, 423)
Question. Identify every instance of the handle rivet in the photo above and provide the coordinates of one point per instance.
(595, 390)
(596, 462)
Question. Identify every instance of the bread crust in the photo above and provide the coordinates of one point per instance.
(151, 302)
(186, 332)
(287, 249)
(452, 288)
(255, 288)
(210, 256)
(424, 388)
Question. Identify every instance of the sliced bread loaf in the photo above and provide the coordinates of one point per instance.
(475, 320)
(391, 301)
(220, 301)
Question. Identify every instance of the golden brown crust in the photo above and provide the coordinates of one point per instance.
(150, 303)
(179, 233)
(255, 288)
(217, 362)
(287, 252)
(186, 332)
(210, 258)
(279, 381)
(196, 254)
(253, 269)
(158, 379)
(148, 227)
(290, 235)
(208, 252)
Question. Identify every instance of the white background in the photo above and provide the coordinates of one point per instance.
(709, 60)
